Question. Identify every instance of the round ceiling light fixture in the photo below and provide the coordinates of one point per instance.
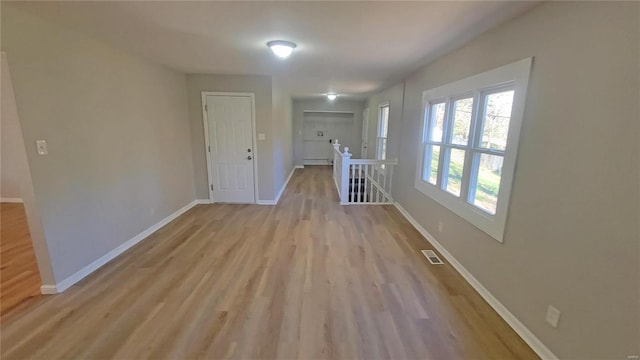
(332, 96)
(281, 48)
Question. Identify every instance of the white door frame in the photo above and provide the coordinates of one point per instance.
(205, 123)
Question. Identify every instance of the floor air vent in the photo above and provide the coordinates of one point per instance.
(432, 257)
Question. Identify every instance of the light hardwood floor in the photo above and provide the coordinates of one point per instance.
(306, 279)
(19, 275)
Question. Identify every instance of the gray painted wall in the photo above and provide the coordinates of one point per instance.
(14, 149)
(261, 86)
(394, 97)
(340, 104)
(572, 233)
(118, 135)
(282, 137)
(14, 169)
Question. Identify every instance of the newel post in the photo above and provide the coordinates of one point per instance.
(336, 144)
(344, 183)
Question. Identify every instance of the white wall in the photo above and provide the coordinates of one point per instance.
(572, 233)
(261, 87)
(352, 140)
(117, 129)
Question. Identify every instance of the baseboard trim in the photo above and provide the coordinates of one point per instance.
(84, 272)
(11, 200)
(275, 202)
(299, 167)
(526, 334)
(48, 289)
(202, 201)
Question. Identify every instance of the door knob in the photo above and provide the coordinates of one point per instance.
(249, 157)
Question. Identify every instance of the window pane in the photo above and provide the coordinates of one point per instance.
(454, 171)
(437, 122)
(382, 148)
(432, 157)
(496, 116)
(487, 186)
(384, 121)
(461, 119)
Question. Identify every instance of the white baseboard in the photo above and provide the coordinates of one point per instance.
(526, 334)
(81, 274)
(203, 201)
(299, 166)
(11, 200)
(317, 162)
(275, 202)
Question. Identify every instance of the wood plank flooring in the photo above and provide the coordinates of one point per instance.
(306, 279)
(19, 275)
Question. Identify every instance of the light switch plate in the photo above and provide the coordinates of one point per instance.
(41, 146)
(553, 316)
(261, 137)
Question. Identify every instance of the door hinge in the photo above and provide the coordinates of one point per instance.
(206, 108)
(209, 147)
(211, 187)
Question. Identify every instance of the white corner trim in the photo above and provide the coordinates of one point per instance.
(48, 289)
(299, 167)
(526, 334)
(11, 200)
(275, 202)
(82, 273)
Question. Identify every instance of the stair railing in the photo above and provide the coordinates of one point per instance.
(362, 181)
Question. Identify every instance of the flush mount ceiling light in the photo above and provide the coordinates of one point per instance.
(332, 96)
(281, 48)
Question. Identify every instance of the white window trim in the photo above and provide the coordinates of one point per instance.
(516, 74)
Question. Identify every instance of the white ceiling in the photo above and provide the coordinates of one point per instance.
(353, 48)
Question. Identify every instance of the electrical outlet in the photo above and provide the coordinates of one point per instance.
(41, 146)
(553, 316)
(440, 226)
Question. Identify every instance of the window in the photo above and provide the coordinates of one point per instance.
(383, 130)
(469, 144)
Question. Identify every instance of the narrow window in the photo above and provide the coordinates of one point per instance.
(383, 129)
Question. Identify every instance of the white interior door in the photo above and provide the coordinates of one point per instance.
(231, 152)
(365, 133)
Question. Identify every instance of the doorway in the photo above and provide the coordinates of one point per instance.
(229, 123)
(320, 128)
(20, 232)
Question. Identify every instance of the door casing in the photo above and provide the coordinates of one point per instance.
(205, 123)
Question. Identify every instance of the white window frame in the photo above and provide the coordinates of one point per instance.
(379, 136)
(512, 76)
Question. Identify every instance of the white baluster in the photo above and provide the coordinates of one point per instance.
(359, 182)
(366, 178)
